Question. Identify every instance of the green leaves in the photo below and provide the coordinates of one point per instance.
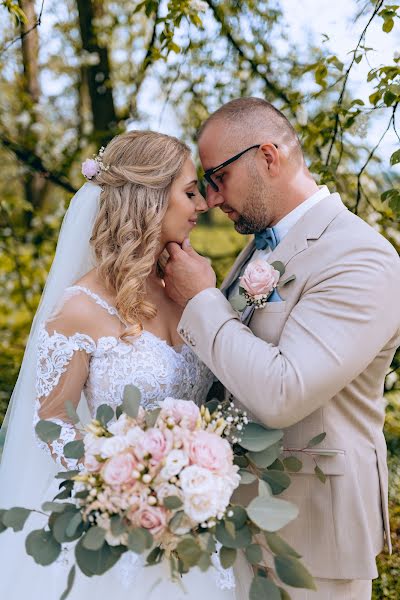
(255, 437)
(61, 528)
(96, 562)
(246, 477)
(253, 554)
(70, 583)
(172, 502)
(278, 545)
(279, 266)
(47, 431)
(131, 401)
(227, 556)
(74, 449)
(271, 514)
(139, 540)
(15, 518)
(189, 552)
(241, 538)
(104, 414)
(395, 158)
(94, 538)
(42, 546)
(277, 480)
(292, 572)
(293, 464)
(266, 457)
(262, 588)
(393, 196)
(316, 440)
(238, 302)
(320, 474)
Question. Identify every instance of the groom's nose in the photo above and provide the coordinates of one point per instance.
(213, 198)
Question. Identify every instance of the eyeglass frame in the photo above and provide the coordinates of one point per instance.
(210, 172)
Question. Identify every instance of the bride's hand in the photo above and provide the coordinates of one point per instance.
(186, 273)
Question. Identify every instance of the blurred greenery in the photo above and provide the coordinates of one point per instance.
(72, 74)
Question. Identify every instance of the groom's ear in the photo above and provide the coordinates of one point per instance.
(271, 158)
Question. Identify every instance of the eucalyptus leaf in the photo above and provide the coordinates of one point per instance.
(176, 520)
(246, 477)
(42, 546)
(277, 480)
(264, 489)
(118, 526)
(104, 414)
(266, 457)
(74, 449)
(255, 437)
(15, 517)
(227, 556)
(189, 551)
(316, 440)
(284, 594)
(60, 526)
(139, 540)
(152, 416)
(131, 400)
(241, 461)
(262, 588)
(67, 474)
(230, 528)
(238, 302)
(47, 431)
(253, 554)
(292, 464)
(239, 516)
(57, 507)
(2, 526)
(277, 465)
(172, 502)
(271, 514)
(70, 583)
(278, 545)
(290, 570)
(204, 561)
(241, 539)
(279, 266)
(96, 562)
(94, 538)
(73, 525)
(155, 556)
(320, 474)
(287, 280)
(71, 412)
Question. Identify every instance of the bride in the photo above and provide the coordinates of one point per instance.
(105, 321)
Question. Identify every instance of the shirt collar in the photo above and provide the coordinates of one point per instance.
(285, 224)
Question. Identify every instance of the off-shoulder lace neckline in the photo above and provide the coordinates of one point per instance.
(177, 348)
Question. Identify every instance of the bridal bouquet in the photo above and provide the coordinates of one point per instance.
(161, 482)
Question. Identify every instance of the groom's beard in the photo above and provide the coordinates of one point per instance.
(254, 217)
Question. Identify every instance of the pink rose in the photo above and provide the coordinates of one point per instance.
(184, 411)
(210, 451)
(155, 442)
(118, 469)
(259, 278)
(153, 518)
(90, 168)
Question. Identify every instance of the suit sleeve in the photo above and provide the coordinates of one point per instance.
(342, 320)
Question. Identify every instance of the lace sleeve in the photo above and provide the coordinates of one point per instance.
(62, 369)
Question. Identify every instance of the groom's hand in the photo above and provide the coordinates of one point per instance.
(186, 273)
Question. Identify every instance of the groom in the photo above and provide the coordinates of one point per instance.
(314, 358)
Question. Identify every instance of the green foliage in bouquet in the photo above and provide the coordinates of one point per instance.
(252, 529)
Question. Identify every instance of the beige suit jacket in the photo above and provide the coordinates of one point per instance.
(316, 362)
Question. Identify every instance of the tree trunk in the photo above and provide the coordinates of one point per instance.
(98, 75)
(34, 183)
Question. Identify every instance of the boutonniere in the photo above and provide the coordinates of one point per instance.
(258, 282)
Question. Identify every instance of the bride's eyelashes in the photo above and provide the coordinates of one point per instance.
(190, 195)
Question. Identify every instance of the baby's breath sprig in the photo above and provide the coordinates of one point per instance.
(233, 420)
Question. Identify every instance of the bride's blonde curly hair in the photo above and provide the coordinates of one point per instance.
(133, 202)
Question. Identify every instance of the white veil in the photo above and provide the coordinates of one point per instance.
(25, 470)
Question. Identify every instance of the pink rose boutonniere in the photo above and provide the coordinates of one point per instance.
(258, 282)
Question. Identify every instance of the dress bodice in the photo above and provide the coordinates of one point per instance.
(146, 361)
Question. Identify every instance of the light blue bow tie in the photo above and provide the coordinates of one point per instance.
(267, 238)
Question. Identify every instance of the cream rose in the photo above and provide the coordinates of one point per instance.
(259, 278)
(113, 445)
(196, 480)
(174, 463)
(200, 507)
(155, 443)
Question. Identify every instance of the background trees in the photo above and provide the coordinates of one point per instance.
(74, 73)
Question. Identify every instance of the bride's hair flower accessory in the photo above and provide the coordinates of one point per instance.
(92, 166)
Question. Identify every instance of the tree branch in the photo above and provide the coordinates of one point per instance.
(24, 33)
(34, 162)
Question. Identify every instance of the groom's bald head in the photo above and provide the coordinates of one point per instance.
(247, 121)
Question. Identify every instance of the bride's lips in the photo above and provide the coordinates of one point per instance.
(193, 222)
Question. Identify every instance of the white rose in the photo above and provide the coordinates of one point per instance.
(200, 507)
(92, 444)
(120, 426)
(133, 435)
(196, 480)
(112, 446)
(174, 463)
(167, 489)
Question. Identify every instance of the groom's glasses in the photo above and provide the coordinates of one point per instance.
(208, 175)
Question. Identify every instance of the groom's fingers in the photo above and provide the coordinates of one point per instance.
(174, 249)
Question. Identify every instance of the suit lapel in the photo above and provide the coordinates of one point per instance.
(233, 274)
(310, 227)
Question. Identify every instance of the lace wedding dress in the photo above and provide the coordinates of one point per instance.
(95, 360)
